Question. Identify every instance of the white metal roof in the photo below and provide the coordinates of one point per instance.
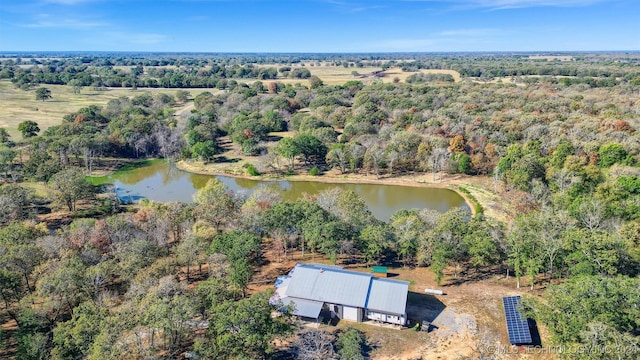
(306, 308)
(329, 285)
(334, 285)
(389, 296)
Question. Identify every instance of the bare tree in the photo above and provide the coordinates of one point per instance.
(374, 156)
(591, 214)
(339, 157)
(392, 158)
(565, 179)
(498, 177)
(315, 345)
(218, 265)
(550, 237)
(438, 160)
(328, 200)
(170, 142)
(347, 247)
(271, 160)
(279, 241)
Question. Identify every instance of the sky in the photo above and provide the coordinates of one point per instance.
(346, 26)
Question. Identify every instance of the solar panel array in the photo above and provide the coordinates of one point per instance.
(517, 324)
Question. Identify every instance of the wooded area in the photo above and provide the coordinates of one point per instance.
(558, 139)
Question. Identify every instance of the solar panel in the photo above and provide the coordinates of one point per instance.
(517, 324)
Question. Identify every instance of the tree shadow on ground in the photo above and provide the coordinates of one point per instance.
(224, 160)
(273, 138)
(467, 275)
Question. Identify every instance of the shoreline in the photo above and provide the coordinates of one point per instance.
(413, 180)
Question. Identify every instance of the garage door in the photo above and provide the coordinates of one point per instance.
(350, 313)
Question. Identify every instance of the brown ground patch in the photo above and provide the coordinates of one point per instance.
(470, 310)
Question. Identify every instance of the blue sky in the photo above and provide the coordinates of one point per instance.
(319, 25)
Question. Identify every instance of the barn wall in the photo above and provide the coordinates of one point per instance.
(351, 313)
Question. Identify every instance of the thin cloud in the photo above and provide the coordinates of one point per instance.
(469, 32)
(515, 4)
(512, 4)
(48, 21)
(69, 2)
(352, 6)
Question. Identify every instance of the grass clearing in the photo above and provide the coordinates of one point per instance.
(338, 75)
(39, 188)
(18, 105)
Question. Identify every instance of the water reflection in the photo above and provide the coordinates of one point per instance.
(159, 181)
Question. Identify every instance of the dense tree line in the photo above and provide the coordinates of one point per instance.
(217, 71)
(141, 126)
(120, 285)
(563, 154)
(143, 261)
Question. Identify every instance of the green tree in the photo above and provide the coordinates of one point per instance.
(66, 283)
(69, 186)
(351, 345)
(204, 150)
(28, 128)
(11, 291)
(482, 243)
(244, 329)
(190, 251)
(43, 94)
(464, 164)
(76, 85)
(182, 95)
(593, 252)
(311, 148)
(211, 293)
(6, 158)
(288, 148)
(560, 154)
(579, 301)
(5, 138)
(338, 157)
(525, 250)
(15, 203)
(297, 218)
(610, 154)
(374, 240)
(215, 203)
(73, 338)
(169, 309)
(447, 239)
(243, 250)
(315, 82)
(407, 227)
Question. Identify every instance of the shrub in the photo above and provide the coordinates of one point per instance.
(475, 203)
(314, 171)
(251, 170)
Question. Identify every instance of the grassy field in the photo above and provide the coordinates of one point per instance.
(338, 75)
(17, 105)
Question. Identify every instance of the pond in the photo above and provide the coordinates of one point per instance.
(157, 180)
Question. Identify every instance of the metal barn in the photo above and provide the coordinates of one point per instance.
(317, 289)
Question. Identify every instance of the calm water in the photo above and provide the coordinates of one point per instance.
(159, 181)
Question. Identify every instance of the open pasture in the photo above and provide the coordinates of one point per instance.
(18, 105)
